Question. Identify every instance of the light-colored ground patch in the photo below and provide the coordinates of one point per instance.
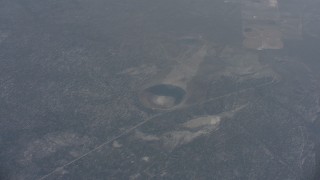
(52, 143)
(145, 158)
(188, 131)
(116, 144)
(202, 121)
(174, 139)
(186, 68)
(3, 36)
(245, 65)
(145, 137)
(263, 37)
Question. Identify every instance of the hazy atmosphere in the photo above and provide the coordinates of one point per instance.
(160, 89)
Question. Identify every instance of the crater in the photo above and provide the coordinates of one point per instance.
(162, 96)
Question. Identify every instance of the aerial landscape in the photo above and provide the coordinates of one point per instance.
(170, 89)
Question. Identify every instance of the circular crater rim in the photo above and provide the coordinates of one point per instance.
(162, 96)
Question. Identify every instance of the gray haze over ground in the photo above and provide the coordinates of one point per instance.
(146, 89)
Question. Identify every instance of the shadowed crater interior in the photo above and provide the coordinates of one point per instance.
(162, 96)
